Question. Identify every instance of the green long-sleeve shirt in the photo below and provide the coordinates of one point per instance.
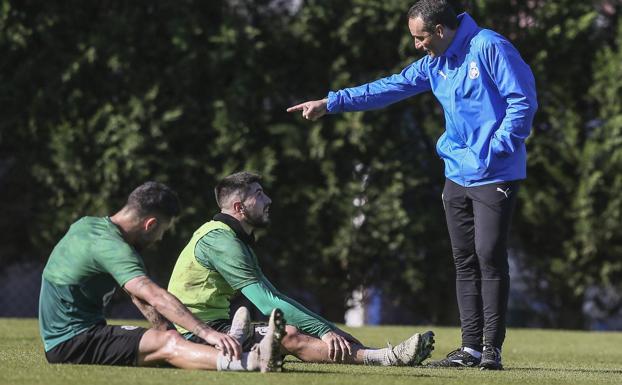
(218, 261)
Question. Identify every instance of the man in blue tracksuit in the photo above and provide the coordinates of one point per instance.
(488, 95)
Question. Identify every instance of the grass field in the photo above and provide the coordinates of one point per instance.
(530, 357)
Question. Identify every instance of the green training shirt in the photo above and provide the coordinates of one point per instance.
(216, 263)
(80, 277)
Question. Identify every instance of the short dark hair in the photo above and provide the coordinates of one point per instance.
(434, 12)
(238, 183)
(154, 198)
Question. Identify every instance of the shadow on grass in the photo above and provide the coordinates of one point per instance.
(294, 366)
(384, 374)
(293, 370)
(298, 368)
(576, 370)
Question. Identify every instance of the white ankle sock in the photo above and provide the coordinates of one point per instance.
(472, 352)
(224, 363)
(377, 357)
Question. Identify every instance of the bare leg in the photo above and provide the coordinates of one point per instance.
(412, 351)
(170, 347)
(312, 349)
(158, 347)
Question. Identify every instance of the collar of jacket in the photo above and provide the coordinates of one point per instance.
(235, 225)
(467, 28)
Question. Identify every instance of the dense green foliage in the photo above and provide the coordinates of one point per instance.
(98, 97)
(532, 357)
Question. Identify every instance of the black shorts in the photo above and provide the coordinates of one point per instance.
(100, 345)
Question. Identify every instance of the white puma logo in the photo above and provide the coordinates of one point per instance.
(440, 72)
(506, 192)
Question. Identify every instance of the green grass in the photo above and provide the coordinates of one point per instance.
(530, 357)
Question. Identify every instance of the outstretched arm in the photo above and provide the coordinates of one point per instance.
(298, 305)
(263, 295)
(169, 306)
(377, 94)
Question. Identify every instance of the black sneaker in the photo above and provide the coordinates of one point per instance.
(491, 359)
(456, 359)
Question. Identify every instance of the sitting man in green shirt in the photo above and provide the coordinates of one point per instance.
(81, 275)
(219, 260)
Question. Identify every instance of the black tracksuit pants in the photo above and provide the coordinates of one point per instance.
(478, 220)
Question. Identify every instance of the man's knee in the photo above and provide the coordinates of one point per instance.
(292, 333)
(172, 339)
(493, 261)
(465, 260)
(161, 345)
(294, 339)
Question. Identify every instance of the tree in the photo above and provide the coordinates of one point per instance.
(99, 97)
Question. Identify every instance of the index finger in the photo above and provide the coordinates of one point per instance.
(345, 349)
(229, 347)
(237, 348)
(297, 107)
(222, 346)
(348, 345)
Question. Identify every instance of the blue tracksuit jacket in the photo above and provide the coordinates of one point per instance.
(488, 95)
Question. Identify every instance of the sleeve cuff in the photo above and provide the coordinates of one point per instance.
(327, 328)
(333, 103)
